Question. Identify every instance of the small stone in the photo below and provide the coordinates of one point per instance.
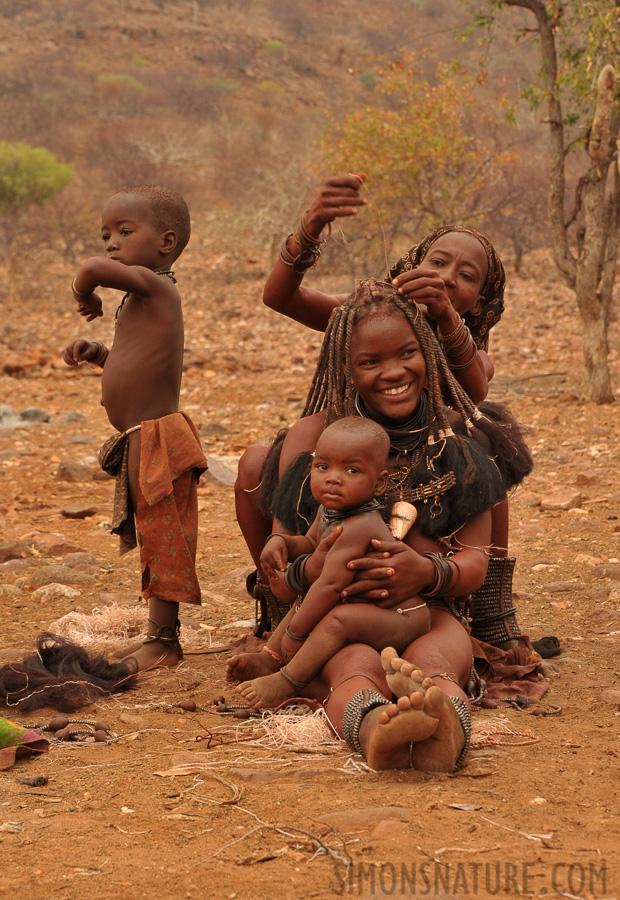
(60, 575)
(80, 558)
(558, 587)
(55, 591)
(71, 471)
(78, 511)
(53, 544)
(13, 549)
(566, 498)
(609, 570)
(10, 592)
(34, 414)
(598, 593)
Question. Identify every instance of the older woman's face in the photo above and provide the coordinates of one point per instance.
(387, 364)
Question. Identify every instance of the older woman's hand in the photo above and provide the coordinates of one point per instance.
(393, 573)
(338, 197)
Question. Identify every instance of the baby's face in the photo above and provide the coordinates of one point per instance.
(344, 475)
(129, 232)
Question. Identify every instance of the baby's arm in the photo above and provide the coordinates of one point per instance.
(324, 594)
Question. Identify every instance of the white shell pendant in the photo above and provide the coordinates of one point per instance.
(403, 516)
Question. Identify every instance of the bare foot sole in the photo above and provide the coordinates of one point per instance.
(402, 677)
(154, 655)
(250, 665)
(266, 692)
(389, 734)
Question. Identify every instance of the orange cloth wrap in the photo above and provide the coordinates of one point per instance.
(171, 462)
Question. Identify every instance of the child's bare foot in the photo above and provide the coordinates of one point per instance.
(266, 692)
(250, 665)
(402, 677)
(122, 652)
(154, 655)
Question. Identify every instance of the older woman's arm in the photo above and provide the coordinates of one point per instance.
(338, 198)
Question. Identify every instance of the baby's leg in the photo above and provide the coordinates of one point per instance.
(348, 624)
(264, 662)
(357, 623)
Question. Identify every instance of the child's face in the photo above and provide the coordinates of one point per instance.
(345, 472)
(462, 264)
(387, 364)
(130, 234)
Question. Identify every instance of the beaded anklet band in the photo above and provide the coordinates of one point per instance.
(277, 656)
(355, 710)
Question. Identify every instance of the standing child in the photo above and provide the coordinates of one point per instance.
(156, 455)
(348, 474)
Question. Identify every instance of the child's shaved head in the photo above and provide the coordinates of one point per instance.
(169, 211)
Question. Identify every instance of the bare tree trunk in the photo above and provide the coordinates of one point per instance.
(593, 290)
(590, 274)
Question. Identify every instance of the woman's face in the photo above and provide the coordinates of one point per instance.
(387, 364)
(461, 262)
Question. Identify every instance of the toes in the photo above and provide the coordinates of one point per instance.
(388, 654)
(434, 701)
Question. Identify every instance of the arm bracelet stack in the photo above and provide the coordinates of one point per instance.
(457, 345)
(101, 355)
(443, 576)
(309, 249)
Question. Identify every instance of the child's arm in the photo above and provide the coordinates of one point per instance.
(85, 351)
(99, 271)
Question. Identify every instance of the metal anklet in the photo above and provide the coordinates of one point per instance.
(298, 685)
(355, 710)
(462, 712)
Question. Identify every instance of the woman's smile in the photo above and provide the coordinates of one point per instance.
(387, 364)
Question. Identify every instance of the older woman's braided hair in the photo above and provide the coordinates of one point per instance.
(332, 384)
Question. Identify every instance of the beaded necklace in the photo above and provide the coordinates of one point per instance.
(167, 272)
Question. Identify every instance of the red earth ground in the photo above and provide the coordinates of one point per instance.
(247, 819)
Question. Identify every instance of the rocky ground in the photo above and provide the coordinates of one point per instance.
(250, 814)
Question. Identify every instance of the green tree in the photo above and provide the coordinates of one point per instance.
(578, 45)
(420, 146)
(29, 176)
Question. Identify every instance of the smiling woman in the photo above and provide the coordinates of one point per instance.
(380, 361)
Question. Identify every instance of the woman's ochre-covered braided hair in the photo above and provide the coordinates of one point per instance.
(332, 385)
(492, 290)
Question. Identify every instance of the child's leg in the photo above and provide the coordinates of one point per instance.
(351, 623)
(265, 662)
(161, 646)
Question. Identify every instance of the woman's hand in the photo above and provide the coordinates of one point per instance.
(426, 288)
(393, 573)
(337, 198)
(274, 557)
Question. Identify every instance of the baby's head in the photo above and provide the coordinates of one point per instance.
(349, 465)
(158, 216)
